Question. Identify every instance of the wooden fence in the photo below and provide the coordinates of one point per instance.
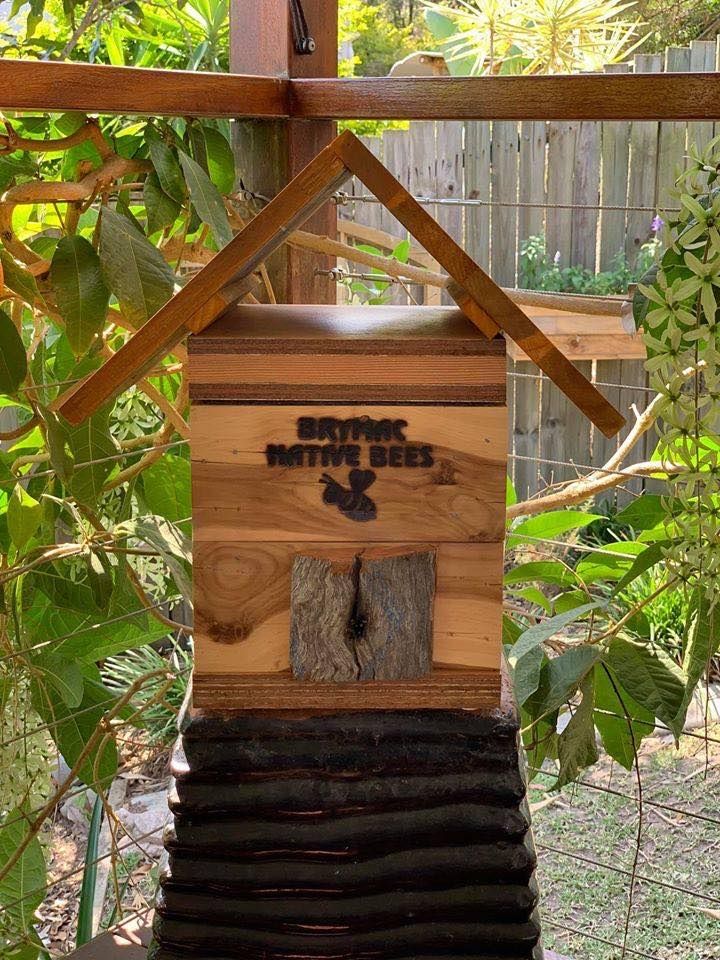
(592, 189)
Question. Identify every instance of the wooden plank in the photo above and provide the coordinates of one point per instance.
(273, 472)
(449, 180)
(672, 145)
(271, 153)
(504, 182)
(584, 337)
(533, 150)
(562, 142)
(481, 299)
(366, 615)
(642, 177)
(449, 175)
(396, 157)
(586, 193)
(524, 438)
(685, 96)
(564, 437)
(613, 185)
(702, 59)
(249, 248)
(477, 187)
(243, 604)
(95, 88)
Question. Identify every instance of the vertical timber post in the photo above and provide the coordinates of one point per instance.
(270, 152)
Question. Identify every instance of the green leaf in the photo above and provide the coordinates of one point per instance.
(24, 514)
(166, 489)
(92, 446)
(64, 676)
(20, 280)
(542, 631)
(169, 541)
(402, 251)
(526, 674)
(540, 740)
(703, 643)
(609, 562)
(168, 170)
(644, 513)
(80, 291)
(560, 679)
(613, 707)
(510, 494)
(134, 269)
(86, 903)
(549, 526)
(72, 729)
(570, 600)
(533, 595)
(57, 444)
(206, 200)
(22, 889)
(220, 160)
(649, 676)
(647, 559)
(541, 571)
(577, 748)
(13, 360)
(100, 578)
(162, 211)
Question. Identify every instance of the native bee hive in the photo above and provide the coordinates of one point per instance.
(348, 469)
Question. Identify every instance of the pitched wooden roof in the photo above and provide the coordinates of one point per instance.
(218, 284)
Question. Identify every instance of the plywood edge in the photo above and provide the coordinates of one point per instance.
(443, 689)
(442, 394)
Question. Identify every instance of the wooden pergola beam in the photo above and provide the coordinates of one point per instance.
(657, 96)
(41, 86)
(93, 88)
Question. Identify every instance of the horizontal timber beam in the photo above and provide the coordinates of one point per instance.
(657, 96)
(94, 88)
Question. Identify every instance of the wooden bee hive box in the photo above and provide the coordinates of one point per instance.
(348, 474)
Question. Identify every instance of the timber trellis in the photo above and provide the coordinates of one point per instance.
(675, 99)
(590, 188)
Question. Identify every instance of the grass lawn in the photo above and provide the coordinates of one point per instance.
(675, 849)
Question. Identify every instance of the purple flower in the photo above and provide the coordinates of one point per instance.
(657, 224)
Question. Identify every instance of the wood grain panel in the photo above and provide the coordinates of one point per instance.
(314, 368)
(237, 496)
(242, 605)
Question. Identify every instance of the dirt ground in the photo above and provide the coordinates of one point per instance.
(134, 877)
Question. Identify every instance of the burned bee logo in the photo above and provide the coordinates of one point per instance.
(351, 501)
